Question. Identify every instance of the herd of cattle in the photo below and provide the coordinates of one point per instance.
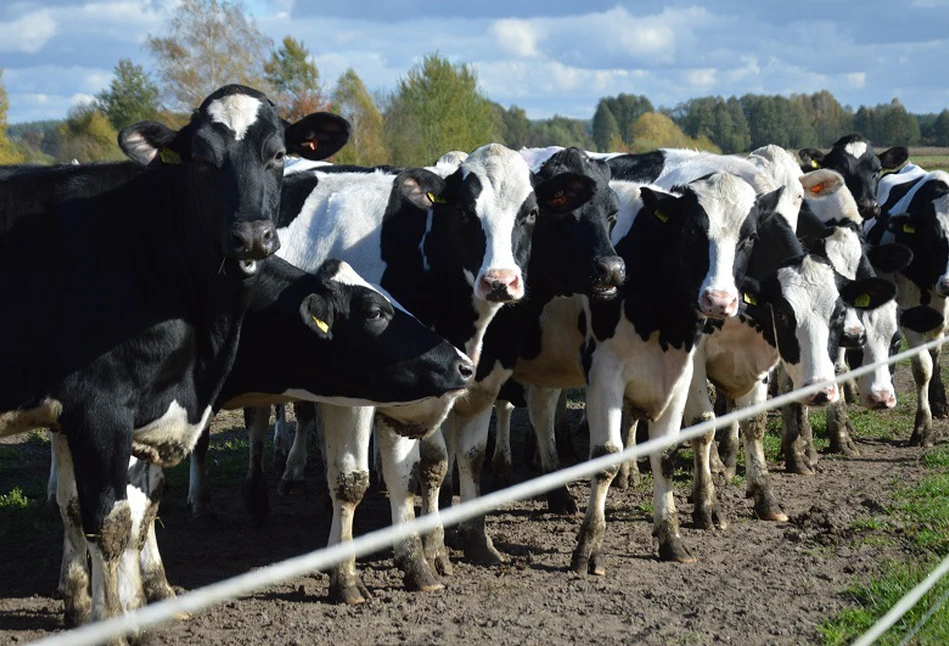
(210, 272)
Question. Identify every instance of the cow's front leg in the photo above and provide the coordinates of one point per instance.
(199, 489)
(922, 374)
(347, 430)
(756, 466)
(542, 404)
(256, 498)
(937, 391)
(433, 466)
(699, 409)
(154, 579)
(502, 467)
(795, 424)
(293, 481)
(400, 468)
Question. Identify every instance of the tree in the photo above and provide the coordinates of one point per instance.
(941, 129)
(88, 136)
(132, 95)
(437, 108)
(515, 128)
(654, 130)
(627, 108)
(295, 80)
(605, 127)
(8, 151)
(209, 43)
(366, 145)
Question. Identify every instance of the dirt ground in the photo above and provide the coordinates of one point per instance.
(755, 583)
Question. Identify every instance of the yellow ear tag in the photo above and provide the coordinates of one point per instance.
(862, 301)
(661, 216)
(815, 164)
(560, 198)
(748, 298)
(909, 228)
(322, 325)
(169, 156)
(435, 199)
(817, 188)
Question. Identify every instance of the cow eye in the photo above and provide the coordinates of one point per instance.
(279, 157)
(531, 217)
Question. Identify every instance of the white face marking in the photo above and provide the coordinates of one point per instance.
(505, 185)
(346, 275)
(881, 325)
(727, 200)
(844, 250)
(236, 111)
(812, 294)
(856, 148)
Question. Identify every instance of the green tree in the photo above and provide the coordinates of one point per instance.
(895, 127)
(295, 80)
(132, 96)
(941, 129)
(605, 127)
(208, 43)
(87, 136)
(560, 131)
(8, 151)
(627, 108)
(366, 146)
(654, 130)
(865, 122)
(515, 128)
(437, 107)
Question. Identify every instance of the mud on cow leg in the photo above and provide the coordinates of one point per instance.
(727, 451)
(706, 513)
(433, 465)
(346, 586)
(586, 556)
(793, 442)
(756, 471)
(74, 573)
(923, 426)
(839, 430)
(937, 390)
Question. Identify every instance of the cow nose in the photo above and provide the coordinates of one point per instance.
(942, 287)
(465, 369)
(853, 338)
(881, 400)
(826, 395)
(868, 209)
(719, 304)
(610, 270)
(254, 240)
(501, 285)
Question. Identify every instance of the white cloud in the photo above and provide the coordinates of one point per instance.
(516, 37)
(857, 79)
(28, 33)
(701, 79)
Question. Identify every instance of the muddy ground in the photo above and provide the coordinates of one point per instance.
(755, 583)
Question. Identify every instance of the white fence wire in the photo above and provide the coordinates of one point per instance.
(325, 558)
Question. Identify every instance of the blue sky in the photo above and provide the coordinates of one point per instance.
(547, 56)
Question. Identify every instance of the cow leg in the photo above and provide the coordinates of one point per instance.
(502, 469)
(795, 421)
(839, 429)
(628, 474)
(433, 465)
(756, 466)
(293, 481)
(255, 495)
(562, 430)
(541, 405)
(726, 453)
(937, 391)
(698, 409)
(471, 437)
(282, 438)
(922, 374)
(154, 579)
(446, 490)
(74, 573)
(400, 469)
(51, 482)
(347, 431)
(199, 490)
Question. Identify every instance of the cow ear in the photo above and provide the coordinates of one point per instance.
(768, 202)
(932, 190)
(920, 319)
(821, 183)
(317, 314)
(811, 157)
(902, 223)
(660, 206)
(425, 189)
(750, 290)
(148, 142)
(867, 293)
(889, 258)
(564, 192)
(316, 136)
(894, 157)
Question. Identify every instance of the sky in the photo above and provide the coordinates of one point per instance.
(546, 56)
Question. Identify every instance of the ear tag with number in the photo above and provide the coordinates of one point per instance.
(661, 216)
(748, 298)
(815, 164)
(322, 325)
(436, 199)
(909, 228)
(862, 301)
(169, 156)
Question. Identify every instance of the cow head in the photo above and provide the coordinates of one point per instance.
(779, 167)
(371, 349)
(490, 206)
(233, 153)
(571, 251)
(854, 159)
(828, 198)
(926, 232)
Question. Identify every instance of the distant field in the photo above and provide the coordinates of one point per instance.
(930, 158)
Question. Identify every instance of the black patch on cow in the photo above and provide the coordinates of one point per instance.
(582, 323)
(642, 167)
(922, 231)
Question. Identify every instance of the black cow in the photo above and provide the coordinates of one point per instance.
(121, 337)
(854, 158)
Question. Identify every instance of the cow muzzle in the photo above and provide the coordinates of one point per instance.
(828, 394)
(880, 400)
(868, 209)
(500, 285)
(609, 274)
(253, 240)
(718, 304)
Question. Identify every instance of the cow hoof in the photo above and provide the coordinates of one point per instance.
(583, 565)
(484, 554)
(675, 551)
(291, 487)
(940, 409)
(421, 579)
(352, 593)
(560, 501)
(441, 562)
(502, 476)
(620, 482)
(847, 448)
(75, 617)
(709, 518)
(767, 508)
(797, 464)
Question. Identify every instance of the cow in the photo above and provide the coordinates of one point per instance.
(453, 251)
(915, 212)
(327, 336)
(571, 254)
(854, 158)
(121, 339)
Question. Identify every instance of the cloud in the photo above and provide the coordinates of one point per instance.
(857, 79)
(516, 37)
(28, 33)
(702, 79)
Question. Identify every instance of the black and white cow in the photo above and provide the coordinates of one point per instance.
(571, 254)
(140, 303)
(854, 158)
(915, 212)
(682, 252)
(327, 336)
(453, 251)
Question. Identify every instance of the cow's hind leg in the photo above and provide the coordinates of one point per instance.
(256, 498)
(433, 466)
(199, 489)
(542, 404)
(74, 573)
(756, 466)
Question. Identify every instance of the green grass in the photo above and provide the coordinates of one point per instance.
(923, 513)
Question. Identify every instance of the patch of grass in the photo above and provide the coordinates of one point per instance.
(24, 516)
(923, 512)
(868, 524)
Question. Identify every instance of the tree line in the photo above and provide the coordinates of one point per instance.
(436, 107)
